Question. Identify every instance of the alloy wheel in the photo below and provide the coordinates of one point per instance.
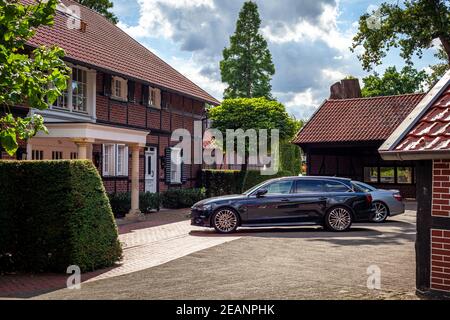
(381, 212)
(339, 219)
(225, 221)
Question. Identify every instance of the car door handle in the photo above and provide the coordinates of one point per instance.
(322, 198)
(285, 200)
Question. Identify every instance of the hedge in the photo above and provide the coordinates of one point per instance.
(222, 182)
(181, 198)
(54, 214)
(121, 202)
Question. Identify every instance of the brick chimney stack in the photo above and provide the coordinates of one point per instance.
(345, 89)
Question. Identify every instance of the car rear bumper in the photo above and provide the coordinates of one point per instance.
(397, 209)
(364, 215)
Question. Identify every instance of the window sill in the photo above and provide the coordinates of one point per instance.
(150, 106)
(119, 99)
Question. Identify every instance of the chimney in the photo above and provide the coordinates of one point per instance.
(345, 89)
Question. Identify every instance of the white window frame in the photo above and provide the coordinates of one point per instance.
(154, 98)
(123, 92)
(67, 95)
(121, 160)
(109, 164)
(175, 165)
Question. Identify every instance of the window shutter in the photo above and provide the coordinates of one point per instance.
(168, 164)
(145, 93)
(183, 173)
(107, 82)
(131, 86)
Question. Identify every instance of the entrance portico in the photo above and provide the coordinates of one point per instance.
(76, 140)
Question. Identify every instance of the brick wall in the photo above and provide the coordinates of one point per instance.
(441, 188)
(440, 260)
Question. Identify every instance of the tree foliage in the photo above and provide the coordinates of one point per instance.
(102, 7)
(252, 113)
(411, 25)
(392, 82)
(34, 78)
(247, 65)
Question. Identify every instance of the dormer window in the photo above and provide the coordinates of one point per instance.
(119, 88)
(154, 98)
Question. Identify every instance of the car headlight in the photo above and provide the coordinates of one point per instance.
(204, 207)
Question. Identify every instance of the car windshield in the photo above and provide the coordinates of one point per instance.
(252, 189)
(366, 187)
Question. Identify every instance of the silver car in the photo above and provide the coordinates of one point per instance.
(386, 202)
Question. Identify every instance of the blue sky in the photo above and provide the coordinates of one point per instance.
(308, 39)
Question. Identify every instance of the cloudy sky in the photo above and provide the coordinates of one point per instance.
(309, 41)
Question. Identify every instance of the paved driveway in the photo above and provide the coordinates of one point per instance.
(183, 262)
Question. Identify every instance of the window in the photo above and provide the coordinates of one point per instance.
(175, 167)
(387, 175)
(57, 155)
(37, 155)
(73, 155)
(280, 187)
(119, 88)
(404, 175)
(364, 187)
(74, 98)
(108, 160)
(79, 90)
(401, 175)
(371, 174)
(115, 160)
(309, 186)
(154, 98)
(122, 160)
(335, 186)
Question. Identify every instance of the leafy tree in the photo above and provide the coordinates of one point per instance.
(102, 7)
(411, 25)
(290, 154)
(34, 78)
(439, 69)
(252, 113)
(392, 82)
(247, 65)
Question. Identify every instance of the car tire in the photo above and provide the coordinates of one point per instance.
(381, 212)
(338, 219)
(225, 220)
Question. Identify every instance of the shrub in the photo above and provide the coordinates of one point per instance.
(181, 198)
(54, 214)
(222, 182)
(121, 202)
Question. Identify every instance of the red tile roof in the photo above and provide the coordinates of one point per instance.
(106, 46)
(358, 119)
(432, 131)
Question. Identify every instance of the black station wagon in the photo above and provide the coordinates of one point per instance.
(332, 202)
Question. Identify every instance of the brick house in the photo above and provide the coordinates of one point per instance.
(424, 137)
(121, 106)
(343, 136)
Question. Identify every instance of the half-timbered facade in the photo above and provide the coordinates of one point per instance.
(120, 109)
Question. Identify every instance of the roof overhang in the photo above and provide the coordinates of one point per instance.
(91, 132)
(387, 150)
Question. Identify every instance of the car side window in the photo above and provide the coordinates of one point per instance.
(335, 186)
(309, 186)
(279, 187)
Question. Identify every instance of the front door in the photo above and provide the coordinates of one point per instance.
(150, 170)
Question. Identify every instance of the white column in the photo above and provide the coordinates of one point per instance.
(83, 149)
(134, 213)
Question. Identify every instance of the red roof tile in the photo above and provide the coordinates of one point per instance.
(432, 131)
(106, 46)
(358, 119)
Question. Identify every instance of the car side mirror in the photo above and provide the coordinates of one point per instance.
(261, 192)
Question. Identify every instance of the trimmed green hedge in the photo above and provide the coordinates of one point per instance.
(54, 214)
(121, 202)
(181, 198)
(222, 182)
